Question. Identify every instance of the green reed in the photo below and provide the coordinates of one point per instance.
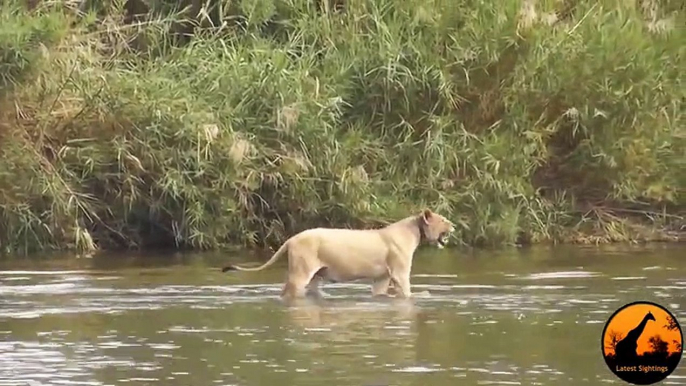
(545, 121)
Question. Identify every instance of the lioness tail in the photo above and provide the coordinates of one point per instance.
(271, 261)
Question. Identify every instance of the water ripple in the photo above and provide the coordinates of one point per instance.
(82, 328)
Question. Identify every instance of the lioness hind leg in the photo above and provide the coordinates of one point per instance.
(296, 286)
(294, 289)
(313, 288)
(299, 276)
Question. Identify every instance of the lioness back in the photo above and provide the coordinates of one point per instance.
(349, 240)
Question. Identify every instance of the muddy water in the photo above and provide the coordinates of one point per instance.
(520, 317)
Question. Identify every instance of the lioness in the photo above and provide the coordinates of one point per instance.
(383, 255)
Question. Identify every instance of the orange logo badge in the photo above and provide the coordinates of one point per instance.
(642, 343)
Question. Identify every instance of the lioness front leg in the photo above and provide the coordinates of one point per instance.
(402, 282)
(380, 286)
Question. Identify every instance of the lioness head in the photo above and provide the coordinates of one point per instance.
(435, 227)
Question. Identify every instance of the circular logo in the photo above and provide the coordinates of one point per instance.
(642, 343)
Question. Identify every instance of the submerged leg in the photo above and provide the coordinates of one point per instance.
(380, 286)
(300, 274)
(314, 287)
(402, 282)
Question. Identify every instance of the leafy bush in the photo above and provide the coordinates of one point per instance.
(526, 122)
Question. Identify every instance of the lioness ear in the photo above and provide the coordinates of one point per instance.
(426, 215)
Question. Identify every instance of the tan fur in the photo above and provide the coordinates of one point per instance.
(383, 255)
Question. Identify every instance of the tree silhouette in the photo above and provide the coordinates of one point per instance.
(614, 338)
(671, 324)
(658, 345)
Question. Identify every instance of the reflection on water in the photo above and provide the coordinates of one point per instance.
(523, 317)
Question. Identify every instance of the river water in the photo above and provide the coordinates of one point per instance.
(509, 317)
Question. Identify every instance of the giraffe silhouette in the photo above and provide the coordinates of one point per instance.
(626, 348)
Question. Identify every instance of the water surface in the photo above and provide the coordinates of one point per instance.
(515, 317)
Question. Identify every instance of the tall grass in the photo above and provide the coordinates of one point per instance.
(528, 122)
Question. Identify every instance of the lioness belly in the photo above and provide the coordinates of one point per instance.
(334, 276)
(353, 268)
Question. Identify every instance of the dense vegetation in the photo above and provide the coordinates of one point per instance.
(525, 122)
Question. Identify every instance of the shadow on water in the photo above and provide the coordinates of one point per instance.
(508, 317)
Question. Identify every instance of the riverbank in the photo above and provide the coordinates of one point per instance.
(529, 123)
